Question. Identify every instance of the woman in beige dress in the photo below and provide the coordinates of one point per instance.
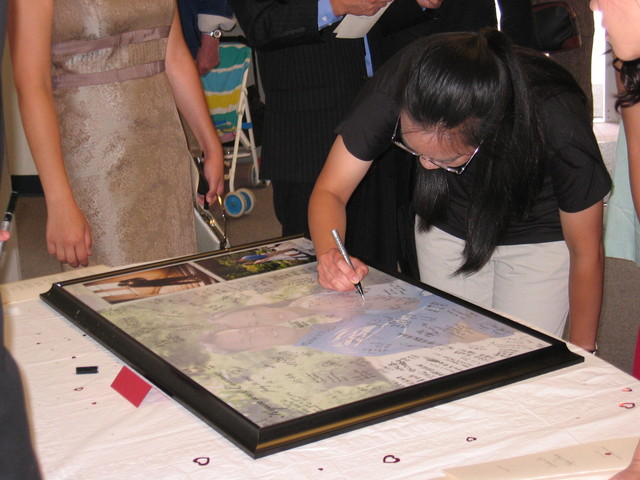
(98, 84)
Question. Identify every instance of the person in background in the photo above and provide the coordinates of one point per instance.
(632, 472)
(449, 16)
(509, 182)
(99, 89)
(203, 24)
(516, 21)
(622, 235)
(578, 60)
(17, 458)
(622, 225)
(310, 78)
(621, 20)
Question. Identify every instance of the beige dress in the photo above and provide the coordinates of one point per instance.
(123, 144)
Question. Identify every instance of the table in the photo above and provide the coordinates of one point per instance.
(84, 429)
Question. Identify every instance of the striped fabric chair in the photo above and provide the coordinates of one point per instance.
(226, 92)
(223, 86)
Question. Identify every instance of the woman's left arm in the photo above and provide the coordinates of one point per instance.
(583, 234)
(190, 100)
(632, 472)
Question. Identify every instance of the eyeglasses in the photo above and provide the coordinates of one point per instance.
(457, 170)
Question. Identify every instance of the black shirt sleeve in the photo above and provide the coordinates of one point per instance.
(368, 127)
(579, 175)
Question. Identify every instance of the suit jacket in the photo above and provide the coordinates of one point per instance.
(309, 77)
(189, 10)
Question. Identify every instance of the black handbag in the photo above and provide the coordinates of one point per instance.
(555, 27)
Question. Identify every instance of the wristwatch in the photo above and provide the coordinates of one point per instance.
(217, 33)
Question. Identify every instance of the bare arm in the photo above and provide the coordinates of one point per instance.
(276, 24)
(583, 234)
(190, 100)
(30, 29)
(338, 179)
(632, 472)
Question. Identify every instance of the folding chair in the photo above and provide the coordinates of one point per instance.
(226, 91)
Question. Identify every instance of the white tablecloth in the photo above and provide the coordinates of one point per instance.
(84, 430)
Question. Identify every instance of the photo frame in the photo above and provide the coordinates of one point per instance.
(247, 340)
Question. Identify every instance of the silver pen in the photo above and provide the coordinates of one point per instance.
(8, 216)
(345, 255)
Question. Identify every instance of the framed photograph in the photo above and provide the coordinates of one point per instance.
(249, 341)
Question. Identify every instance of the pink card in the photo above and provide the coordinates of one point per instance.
(131, 386)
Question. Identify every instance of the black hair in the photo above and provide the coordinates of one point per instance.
(630, 77)
(477, 86)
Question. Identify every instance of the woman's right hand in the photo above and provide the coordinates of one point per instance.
(213, 170)
(334, 272)
(69, 236)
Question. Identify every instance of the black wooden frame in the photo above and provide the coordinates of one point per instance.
(260, 441)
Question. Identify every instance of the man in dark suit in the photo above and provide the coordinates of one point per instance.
(578, 60)
(203, 23)
(310, 78)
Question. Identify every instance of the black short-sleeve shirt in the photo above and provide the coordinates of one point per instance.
(575, 177)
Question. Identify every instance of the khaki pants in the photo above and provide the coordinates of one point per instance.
(528, 282)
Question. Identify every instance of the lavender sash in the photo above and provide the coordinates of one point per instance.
(74, 47)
